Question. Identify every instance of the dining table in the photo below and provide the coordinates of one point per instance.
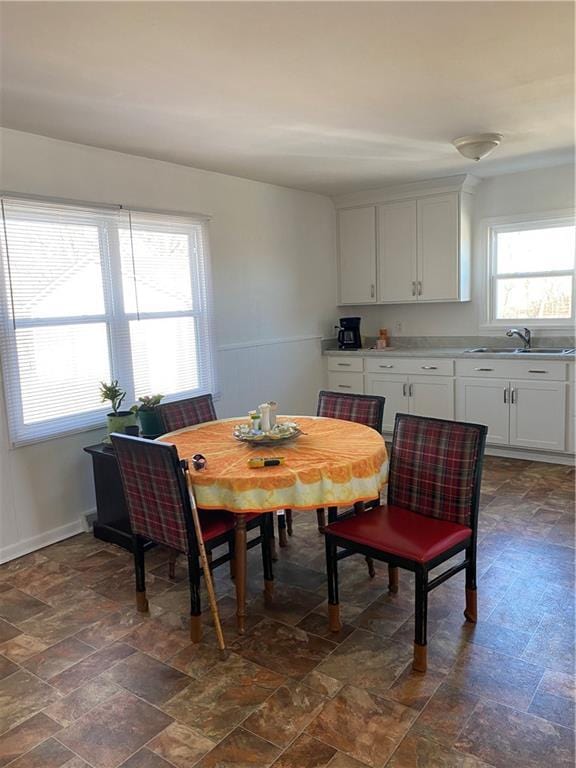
(333, 463)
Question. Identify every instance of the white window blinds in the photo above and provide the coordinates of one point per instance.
(90, 295)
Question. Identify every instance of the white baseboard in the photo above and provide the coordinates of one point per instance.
(530, 455)
(12, 551)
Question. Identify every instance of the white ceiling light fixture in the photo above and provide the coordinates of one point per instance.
(477, 145)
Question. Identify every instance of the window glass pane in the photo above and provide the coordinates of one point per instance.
(534, 297)
(60, 369)
(164, 355)
(536, 250)
(161, 269)
(55, 268)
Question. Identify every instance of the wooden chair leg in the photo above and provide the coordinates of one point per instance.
(195, 604)
(419, 663)
(288, 513)
(471, 611)
(140, 574)
(359, 507)
(172, 557)
(334, 622)
(321, 516)
(265, 531)
(393, 579)
(282, 538)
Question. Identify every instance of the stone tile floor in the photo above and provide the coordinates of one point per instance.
(86, 681)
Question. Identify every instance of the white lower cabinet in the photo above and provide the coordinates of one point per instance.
(526, 414)
(395, 389)
(432, 396)
(523, 403)
(420, 395)
(538, 415)
(353, 383)
(484, 401)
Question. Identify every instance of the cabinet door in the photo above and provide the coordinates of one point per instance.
(397, 251)
(538, 414)
(438, 248)
(357, 255)
(395, 390)
(432, 396)
(353, 383)
(485, 401)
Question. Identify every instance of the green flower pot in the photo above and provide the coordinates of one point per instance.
(150, 422)
(117, 422)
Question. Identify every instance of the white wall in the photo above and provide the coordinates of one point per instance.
(274, 281)
(536, 191)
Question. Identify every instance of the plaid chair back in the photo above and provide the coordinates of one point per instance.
(363, 409)
(187, 413)
(435, 468)
(155, 490)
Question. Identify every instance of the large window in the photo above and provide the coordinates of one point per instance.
(531, 271)
(90, 295)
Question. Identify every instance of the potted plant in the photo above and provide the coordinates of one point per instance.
(149, 415)
(117, 420)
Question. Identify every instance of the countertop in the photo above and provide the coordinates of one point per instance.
(443, 352)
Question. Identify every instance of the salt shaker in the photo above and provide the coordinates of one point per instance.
(264, 417)
(273, 408)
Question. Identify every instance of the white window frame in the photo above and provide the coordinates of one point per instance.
(490, 228)
(117, 321)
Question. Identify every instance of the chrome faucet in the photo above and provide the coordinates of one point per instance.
(526, 336)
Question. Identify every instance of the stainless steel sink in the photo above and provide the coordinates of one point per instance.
(516, 351)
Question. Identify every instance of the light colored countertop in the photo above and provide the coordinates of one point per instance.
(443, 352)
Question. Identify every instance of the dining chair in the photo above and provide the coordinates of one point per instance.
(431, 515)
(178, 415)
(159, 508)
(361, 409)
(186, 413)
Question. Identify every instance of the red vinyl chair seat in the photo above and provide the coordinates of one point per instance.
(400, 532)
(218, 522)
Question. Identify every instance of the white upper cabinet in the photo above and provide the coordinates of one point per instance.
(422, 249)
(357, 255)
(438, 248)
(397, 251)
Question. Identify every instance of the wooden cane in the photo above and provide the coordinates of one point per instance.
(205, 566)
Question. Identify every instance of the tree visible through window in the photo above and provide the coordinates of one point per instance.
(532, 272)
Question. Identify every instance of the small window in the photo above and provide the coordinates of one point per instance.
(531, 272)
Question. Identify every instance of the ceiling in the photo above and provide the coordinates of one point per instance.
(330, 97)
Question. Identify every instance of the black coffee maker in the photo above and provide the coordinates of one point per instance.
(349, 333)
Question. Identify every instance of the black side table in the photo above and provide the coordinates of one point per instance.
(112, 521)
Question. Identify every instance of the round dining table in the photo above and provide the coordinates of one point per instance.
(333, 463)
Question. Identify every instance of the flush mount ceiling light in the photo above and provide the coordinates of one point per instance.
(478, 145)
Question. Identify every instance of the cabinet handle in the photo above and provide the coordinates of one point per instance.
(429, 367)
(344, 386)
(385, 366)
(536, 371)
(404, 390)
(372, 291)
(410, 390)
(419, 288)
(513, 396)
(413, 288)
(344, 365)
(483, 369)
(506, 395)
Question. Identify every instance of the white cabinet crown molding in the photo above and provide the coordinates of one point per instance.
(461, 183)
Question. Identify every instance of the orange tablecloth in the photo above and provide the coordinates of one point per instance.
(335, 463)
